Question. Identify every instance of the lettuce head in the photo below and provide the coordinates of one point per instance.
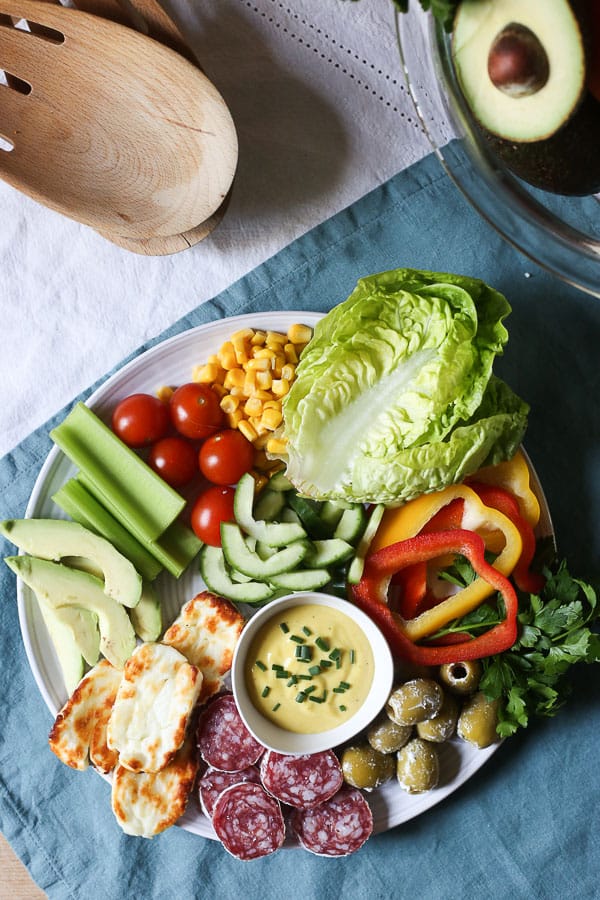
(394, 395)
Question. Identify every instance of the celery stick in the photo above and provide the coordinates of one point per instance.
(78, 503)
(134, 493)
(174, 549)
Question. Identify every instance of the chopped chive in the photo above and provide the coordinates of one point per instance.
(339, 690)
(306, 631)
(322, 644)
(283, 673)
(304, 677)
(284, 627)
(293, 680)
(296, 638)
(301, 697)
(277, 668)
(266, 691)
(343, 708)
(316, 699)
(310, 689)
(260, 665)
(344, 685)
(338, 664)
(335, 654)
(276, 707)
(314, 670)
(325, 663)
(352, 657)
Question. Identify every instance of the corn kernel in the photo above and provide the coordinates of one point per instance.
(219, 390)
(247, 429)
(272, 418)
(229, 403)
(207, 373)
(264, 380)
(234, 378)
(291, 355)
(272, 404)
(258, 338)
(164, 393)
(259, 364)
(277, 445)
(234, 418)
(227, 356)
(288, 372)
(280, 387)
(275, 339)
(236, 391)
(249, 383)
(299, 334)
(264, 353)
(253, 407)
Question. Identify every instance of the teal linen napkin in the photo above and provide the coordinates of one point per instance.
(524, 826)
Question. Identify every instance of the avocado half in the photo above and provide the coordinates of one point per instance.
(522, 66)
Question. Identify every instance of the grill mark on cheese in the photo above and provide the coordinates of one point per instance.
(156, 697)
(206, 632)
(79, 733)
(144, 803)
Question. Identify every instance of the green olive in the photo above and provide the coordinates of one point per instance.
(414, 701)
(441, 726)
(366, 768)
(478, 720)
(417, 766)
(388, 737)
(461, 677)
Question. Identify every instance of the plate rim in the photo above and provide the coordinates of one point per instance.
(476, 758)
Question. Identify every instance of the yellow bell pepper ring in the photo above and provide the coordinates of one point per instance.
(407, 521)
(513, 475)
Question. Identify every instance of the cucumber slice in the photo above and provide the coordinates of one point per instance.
(280, 482)
(352, 524)
(302, 580)
(328, 553)
(331, 513)
(288, 515)
(358, 563)
(240, 557)
(309, 512)
(277, 534)
(216, 578)
(269, 505)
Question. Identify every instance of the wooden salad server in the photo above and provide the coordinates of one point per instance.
(110, 127)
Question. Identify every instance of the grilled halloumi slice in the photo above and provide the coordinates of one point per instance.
(78, 735)
(206, 632)
(147, 803)
(156, 697)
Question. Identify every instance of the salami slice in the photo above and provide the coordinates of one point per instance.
(301, 781)
(213, 783)
(337, 827)
(248, 822)
(224, 741)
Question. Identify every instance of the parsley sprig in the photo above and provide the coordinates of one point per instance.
(443, 10)
(531, 678)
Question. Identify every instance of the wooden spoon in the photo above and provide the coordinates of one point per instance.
(117, 132)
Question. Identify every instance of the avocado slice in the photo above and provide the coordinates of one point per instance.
(146, 617)
(66, 647)
(56, 586)
(55, 539)
(521, 66)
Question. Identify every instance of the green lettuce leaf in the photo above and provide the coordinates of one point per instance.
(394, 395)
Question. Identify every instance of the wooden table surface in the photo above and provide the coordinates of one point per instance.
(15, 880)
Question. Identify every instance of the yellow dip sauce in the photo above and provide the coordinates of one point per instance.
(309, 668)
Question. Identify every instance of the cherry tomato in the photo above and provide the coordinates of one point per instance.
(226, 456)
(140, 419)
(175, 460)
(195, 411)
(213, 506)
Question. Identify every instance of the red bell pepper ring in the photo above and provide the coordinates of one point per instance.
(412, 581)
(502, 500)
(370, 595)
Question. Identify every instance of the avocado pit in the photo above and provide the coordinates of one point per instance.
(517, 63)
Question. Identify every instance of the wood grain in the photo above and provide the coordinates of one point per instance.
(15, 881)
(151, 152)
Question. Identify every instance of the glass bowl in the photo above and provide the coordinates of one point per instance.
(561, 234)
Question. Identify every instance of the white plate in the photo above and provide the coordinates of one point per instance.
(172, 362)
